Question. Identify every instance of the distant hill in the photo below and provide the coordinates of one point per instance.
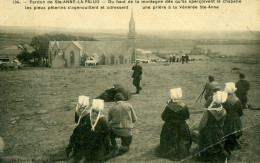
(243, 42)
(141, 34)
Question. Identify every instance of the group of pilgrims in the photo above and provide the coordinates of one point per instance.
(184, 58)
(217, 133)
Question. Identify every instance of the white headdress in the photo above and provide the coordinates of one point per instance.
(176, 94)
(219, 98)
(97, 105)
(81, 108)
(230, 87)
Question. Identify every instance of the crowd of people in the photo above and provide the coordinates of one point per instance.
(219, 129)
(218, 132)
(184, 58)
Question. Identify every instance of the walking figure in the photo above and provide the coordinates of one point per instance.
(137, 75)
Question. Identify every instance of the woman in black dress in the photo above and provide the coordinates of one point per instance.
(211, 143)
(175, 139)
(233, 126)
(90, 139)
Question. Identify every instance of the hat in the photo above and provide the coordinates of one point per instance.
(230, 87)
(98, 104)
(176, 94)
(137, 60)
(83, 102)
(220, 97)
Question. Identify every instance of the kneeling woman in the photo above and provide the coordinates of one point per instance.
(175, 140)
(210, 130)
(233, 126)
(90, 139)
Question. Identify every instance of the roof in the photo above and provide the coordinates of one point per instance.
(77, 44)
(99, 47)
(94, 55)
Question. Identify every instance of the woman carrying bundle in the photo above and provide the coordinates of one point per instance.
(175, 139)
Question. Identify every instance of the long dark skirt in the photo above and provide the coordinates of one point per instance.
(175, 141)
(233, 131)
(211, 144)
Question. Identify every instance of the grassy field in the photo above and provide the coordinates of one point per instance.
(37, 106)
(167, 45)
(233, 50)
(170, 45)
(13, 39)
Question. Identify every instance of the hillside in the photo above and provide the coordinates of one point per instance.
(37, 106)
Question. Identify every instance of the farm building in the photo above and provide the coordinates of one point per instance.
(70, 53)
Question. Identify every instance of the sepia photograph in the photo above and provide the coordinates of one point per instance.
(154, 81)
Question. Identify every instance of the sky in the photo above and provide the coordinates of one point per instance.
(243, 16)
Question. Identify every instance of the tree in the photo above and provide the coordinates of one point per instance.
(24, 55)
(40, 44)
(83, 59)
(197, 51)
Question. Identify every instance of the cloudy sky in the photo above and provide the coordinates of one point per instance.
(242, 16)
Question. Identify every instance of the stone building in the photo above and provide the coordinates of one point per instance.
(70, 53)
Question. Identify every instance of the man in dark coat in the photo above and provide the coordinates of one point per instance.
(186, 58)
(137, 75)
(183, 59)
(242, 88)
(173, 58)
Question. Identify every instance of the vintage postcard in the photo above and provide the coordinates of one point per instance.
(129, 81)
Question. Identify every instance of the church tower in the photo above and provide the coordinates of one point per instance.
(131, 38)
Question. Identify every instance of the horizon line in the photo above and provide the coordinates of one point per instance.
(247, 29)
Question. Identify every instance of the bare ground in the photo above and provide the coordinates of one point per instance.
(37, 106)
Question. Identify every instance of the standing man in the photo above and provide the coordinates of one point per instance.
(137, 75)
(121, 119)
(186, 58)
(183, 59)
(242, 88)
(173, 57)
(211, 87)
